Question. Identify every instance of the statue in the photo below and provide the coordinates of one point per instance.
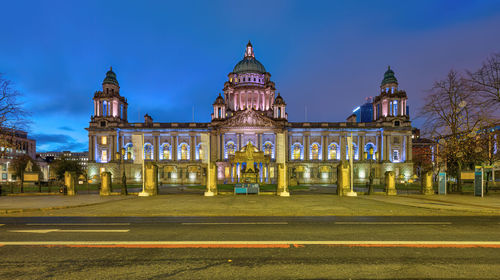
(249, 155)
(29, 167)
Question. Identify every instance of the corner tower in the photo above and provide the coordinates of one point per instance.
(390, 106)
(110, 108)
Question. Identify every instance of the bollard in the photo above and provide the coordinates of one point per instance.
(390, 183)
(151, 179)
(343, 178)
(69, 182)
(427, 183)
(105, 184)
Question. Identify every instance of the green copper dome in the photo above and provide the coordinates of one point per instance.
(110, 78)
(249, 64)
(389, 77)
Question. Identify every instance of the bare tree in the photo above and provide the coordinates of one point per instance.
(12, 115)
(486, 81)
(453, 115)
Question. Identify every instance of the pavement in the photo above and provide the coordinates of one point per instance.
(193, 203)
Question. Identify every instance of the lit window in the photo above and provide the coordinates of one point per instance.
(268, 149)
(165, 151)
(104, 140)
(148, 151)
(395, 156)
(332, 151)
(296, 151)
(104, 156)
(230, 149)
(370, 150)
(184, 151)
(199, 152)
(315, 150)
(129, 151)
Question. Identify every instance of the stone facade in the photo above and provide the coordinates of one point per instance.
(250, 111)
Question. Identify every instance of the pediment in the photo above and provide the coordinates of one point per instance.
(248, 118)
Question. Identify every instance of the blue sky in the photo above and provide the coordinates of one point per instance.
(172, 55)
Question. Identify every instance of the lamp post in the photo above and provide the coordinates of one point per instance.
(370, 177)
(124, 177)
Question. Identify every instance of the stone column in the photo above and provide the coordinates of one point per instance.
(361, 146)
(386, 147)
(390, 183)
(156, 148)
(325, 147)
(192, 145)
(260, 144)
(427, 183)
(409, 156)
(70, 182)
(105, 184)
(343, 147)
(113, 145)
(91, 148)
(306, 147)
(174, 147)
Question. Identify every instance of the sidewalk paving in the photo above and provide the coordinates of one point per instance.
(195, 204)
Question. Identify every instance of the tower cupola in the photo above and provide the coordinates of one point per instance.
(219, 108)
(389, 83)
(109, 106)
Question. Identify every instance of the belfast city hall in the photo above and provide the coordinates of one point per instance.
(250, 115)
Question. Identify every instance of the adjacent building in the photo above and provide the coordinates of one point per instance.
(14, 143)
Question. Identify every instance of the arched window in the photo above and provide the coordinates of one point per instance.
(297, 151)
(315, 153)
(165, 151)
(355, 151)
(199, 152)
(183, 151)
(148, 151)
(370, 150)
(104, 108)
(269, 149)
(129, 150)
(229, 149)
(333, 152)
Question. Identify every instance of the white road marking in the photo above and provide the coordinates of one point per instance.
(249, 223)
(80, 224)
(289, 242)
(69, 230)
(393, 223)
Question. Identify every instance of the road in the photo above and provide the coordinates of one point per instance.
(250, 247)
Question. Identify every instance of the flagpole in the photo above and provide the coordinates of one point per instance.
(351, 164)
(143, 193)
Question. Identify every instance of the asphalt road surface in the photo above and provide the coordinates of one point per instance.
(250, 248)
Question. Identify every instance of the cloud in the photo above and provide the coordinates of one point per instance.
(57, 142)
(67, 128)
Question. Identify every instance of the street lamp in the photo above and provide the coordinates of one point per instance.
(370, 177)
(124, 177)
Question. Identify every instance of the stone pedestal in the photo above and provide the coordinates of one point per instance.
(427, 183)
(105, 183)
(390, 183)
(151, 178)
(343, 178)
(211, 180)
(282, 181)
(70, 182)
